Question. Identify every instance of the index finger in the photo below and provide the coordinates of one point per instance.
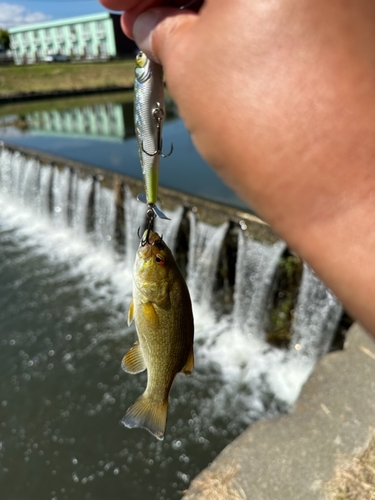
(140, 5)
(121, 5)
(132, 9)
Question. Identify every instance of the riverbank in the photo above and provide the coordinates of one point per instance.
(20, 82)
(307, 455)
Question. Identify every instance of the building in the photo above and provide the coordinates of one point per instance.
(97, 36)
(111, 120)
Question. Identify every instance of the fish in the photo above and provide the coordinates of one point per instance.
(162, 310)
(149, 113)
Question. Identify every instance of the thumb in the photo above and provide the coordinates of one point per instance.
(159, 31)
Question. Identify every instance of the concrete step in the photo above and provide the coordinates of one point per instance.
(293, 456)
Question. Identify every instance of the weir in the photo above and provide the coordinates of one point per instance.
(68, 234)
(229, 257)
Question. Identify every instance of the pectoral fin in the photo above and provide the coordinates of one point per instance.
(150, 315)
(189, 366)
(131, 313)
(133, 361)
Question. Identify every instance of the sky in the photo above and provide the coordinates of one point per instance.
(21, 12)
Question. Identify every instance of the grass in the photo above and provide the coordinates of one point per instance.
(218, 485)
(65, 76)
(356, 480)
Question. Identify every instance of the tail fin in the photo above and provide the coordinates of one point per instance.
(147, 414)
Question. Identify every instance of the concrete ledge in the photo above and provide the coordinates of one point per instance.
(211, 212)
(293, 456)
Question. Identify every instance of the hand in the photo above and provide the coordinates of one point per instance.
(279, 98)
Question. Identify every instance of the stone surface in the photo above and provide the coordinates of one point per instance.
(293, 456)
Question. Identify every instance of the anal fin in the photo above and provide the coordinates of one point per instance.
(133, 361)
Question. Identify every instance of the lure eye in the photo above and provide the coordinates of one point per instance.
(141, 60)
(159, 260)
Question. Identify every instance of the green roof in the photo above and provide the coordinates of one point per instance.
(61, 22)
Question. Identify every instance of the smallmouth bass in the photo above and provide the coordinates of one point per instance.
(162, 311)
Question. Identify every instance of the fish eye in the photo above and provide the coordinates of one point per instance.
(159, 259)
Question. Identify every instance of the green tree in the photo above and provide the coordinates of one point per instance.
(4, 39)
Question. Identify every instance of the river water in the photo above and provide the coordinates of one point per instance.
(64, 296)
(99, 130)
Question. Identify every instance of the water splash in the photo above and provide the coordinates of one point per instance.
(204, 249)
(316, 316)
(104, 216)
(81, 189)
(59, 195)
(43, 197)
(255, 271)
(134, 220)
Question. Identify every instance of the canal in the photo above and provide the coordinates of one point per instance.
(64, 296)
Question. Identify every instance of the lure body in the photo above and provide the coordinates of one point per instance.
(149, 110)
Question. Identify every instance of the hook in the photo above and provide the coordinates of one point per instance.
(158, 115)
(151, 217)
(158, 151)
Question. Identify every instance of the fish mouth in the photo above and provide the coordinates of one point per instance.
(148, 241)
(149, 238)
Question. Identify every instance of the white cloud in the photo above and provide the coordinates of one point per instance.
(17, 15)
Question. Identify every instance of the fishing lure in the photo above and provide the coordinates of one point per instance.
(149, 113)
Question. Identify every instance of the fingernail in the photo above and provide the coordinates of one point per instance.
(142, 31)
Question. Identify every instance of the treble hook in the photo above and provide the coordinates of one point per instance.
(158, 115)
(151, 217)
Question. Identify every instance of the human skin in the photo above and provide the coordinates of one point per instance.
(279, 98)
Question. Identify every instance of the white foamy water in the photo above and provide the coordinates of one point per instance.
(256, 266)
(317, 320)
(252, 373)
(204, 250)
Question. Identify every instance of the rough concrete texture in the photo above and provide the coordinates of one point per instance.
(293, 456)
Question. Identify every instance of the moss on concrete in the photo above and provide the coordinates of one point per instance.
(288, 278)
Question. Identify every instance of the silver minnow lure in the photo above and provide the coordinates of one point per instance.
(149, 112)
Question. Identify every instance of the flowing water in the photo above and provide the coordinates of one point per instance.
(64, 294)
